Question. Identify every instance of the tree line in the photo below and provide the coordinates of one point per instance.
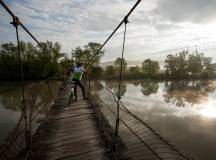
(176, 66)
(43, 62)
(49, 61)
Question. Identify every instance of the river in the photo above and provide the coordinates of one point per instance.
(184, 112)
(10, 101)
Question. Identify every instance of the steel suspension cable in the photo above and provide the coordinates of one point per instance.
(20, 23)
(98, 51)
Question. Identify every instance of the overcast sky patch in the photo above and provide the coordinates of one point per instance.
(155, 26)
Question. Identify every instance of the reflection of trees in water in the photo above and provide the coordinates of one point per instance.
(10, 97)
(182, 92)
(136, 83)
(149, 87)
(37, 95)
(114, 87)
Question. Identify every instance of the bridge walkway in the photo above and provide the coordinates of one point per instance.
(69, 132)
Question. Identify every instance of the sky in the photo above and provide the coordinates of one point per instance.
(156, 29)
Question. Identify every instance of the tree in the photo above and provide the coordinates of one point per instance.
(97, 71)
(195, 63)
(135, 69)
(117, 64)
(183, 64)
(176, 65)
(110, 70)
(65, 64)
(208, 67)
(150, 67)
(38, 63)
(86, 54)
(8, 61)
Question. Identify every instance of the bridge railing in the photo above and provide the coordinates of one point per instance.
(139, 139)
(18, 144)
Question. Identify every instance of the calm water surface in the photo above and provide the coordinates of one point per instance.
(10, 102)
(183, 112)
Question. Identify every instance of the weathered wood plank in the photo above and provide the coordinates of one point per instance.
(69, 132)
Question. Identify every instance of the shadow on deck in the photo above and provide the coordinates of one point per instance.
(69, 132)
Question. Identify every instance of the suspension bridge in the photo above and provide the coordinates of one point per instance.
(99, 128)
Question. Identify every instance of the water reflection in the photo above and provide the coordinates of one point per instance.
(114, 87)
(36, 92)
(182, 92)
(149, 87)
(192, 127)
(10, 99)
(178, 93)
(37, 97)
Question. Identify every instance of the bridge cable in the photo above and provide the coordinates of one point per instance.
(16, 23)
(98, 51)
(119, 84)
(20, 23)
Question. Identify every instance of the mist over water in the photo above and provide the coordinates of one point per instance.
(184, 112)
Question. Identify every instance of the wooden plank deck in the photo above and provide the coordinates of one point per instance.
(69, 132)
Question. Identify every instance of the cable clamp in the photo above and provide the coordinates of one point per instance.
(16, 22)
(126, 20)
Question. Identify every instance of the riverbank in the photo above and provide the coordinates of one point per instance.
(142, 76)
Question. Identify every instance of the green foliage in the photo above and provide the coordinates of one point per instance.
(97, 71)
(150, 67)
(37, 63)
(195, 63)
(176, 65)
(117, 64)
(209, 68)
(109, 71)
(135, 69)
(46, 61)
(85, 55)
(64, 64)
(183, 65)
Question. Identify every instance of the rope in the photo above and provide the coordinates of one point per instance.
(155, 143)
(120, 81)
(20, 23)
(123, 21)
(16, 24)
(50, 91)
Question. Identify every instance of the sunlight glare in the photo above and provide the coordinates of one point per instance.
(208, 110)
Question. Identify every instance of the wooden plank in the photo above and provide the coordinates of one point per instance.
(91, 153)
(69, 132)
(59, 130)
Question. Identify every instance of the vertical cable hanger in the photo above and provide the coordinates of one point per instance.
(119, 84)
(16, 23)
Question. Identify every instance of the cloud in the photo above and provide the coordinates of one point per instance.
(197, 11)
(155, 25)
